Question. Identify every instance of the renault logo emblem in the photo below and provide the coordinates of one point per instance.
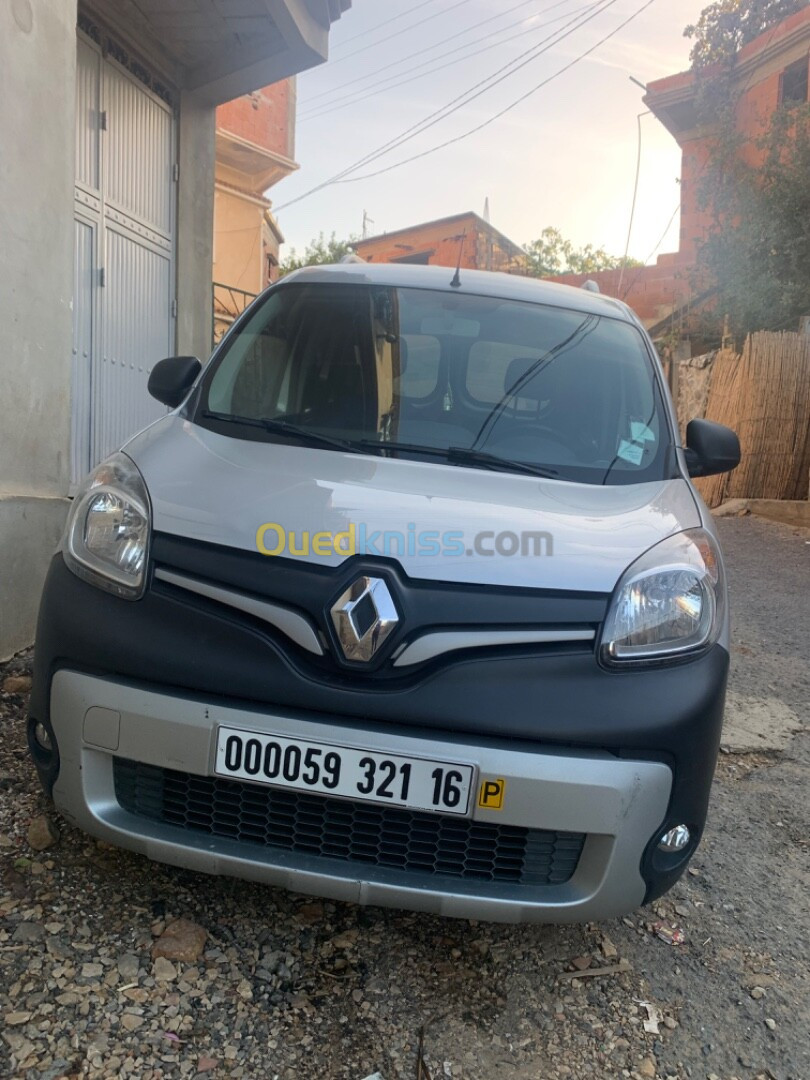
(364, 616)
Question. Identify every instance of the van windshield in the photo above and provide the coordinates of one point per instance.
(470, 380)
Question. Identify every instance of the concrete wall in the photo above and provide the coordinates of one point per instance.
(195, 226)
(37, 64)
(37, 74)
(30, 529)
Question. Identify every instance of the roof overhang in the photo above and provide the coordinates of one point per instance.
(674, 106)
(221, 49)
(251, 165)
(273, 225)
(672, 99)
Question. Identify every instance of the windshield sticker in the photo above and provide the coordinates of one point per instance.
(639, 432)
(630, 451)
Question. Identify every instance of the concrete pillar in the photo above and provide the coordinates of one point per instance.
(195, 226)
(37, 75)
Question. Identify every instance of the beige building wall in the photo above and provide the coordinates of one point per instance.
(238, 256)
(254, 138)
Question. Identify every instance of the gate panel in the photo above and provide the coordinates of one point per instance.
(136, 335)
(88, 72)
(124, 263)
(85, 276)
(138, 152)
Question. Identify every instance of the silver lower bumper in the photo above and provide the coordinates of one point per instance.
(617, 803)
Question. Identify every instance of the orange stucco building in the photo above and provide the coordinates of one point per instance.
(439, 243)
(770, 73)
(255, 148)
(653, 292)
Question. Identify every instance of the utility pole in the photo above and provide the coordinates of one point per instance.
(366, 222)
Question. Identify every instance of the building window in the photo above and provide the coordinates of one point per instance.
(422, 258)
(793, 84)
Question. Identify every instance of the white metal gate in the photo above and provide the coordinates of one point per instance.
(123, 302)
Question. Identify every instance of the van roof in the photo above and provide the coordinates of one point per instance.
(473, 283)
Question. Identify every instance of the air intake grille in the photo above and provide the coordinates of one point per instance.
(350, 831)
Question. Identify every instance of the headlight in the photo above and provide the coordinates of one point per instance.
(668, 605)
(106, 540)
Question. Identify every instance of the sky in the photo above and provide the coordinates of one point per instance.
(564, 157)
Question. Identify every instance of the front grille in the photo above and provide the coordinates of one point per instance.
(353, 832)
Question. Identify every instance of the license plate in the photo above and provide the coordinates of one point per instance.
(345, 771)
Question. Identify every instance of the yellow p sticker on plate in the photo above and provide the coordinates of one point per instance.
(490, 797)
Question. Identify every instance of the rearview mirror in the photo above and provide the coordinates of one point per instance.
(711, 448)
(171, 379)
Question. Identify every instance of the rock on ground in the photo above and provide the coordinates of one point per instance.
(16, 684)
(182, 940)
(42, 833)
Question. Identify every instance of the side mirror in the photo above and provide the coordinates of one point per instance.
(171, 379)
(711, 448)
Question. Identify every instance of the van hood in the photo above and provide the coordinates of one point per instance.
(440, 522)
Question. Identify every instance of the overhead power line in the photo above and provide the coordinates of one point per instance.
(462, 99)
(633, 203)
(418, 52)
(458, 102)
(380, 25)
(482, 86)
(508, 108)
(641, 269)
(396, 33)
(357, 96)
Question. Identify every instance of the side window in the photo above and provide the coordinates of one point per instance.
(793, 84)
(250, 386)
(487, 368)
(419, 375)
(256, 387)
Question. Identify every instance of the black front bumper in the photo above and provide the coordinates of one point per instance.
(557, 698)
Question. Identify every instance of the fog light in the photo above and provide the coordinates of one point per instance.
(42, 736)
(675, 839)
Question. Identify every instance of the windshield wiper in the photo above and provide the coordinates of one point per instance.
(462, 455)
(409, 448)
(277, 426)
(465, 455)
(315, 438)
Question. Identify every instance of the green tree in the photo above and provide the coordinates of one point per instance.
(758, 248)
(758, 252)
(725, 26)
(552, 254)
(317, 252)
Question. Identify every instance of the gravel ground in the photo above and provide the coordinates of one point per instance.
(290, 987)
